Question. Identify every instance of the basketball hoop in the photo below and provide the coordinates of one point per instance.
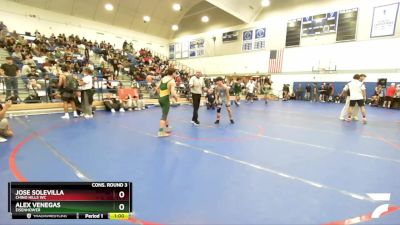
(322, 70)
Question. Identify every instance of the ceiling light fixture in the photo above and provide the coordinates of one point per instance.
(175, 27)
(176, 7)
(109, 7)
(146, 19)
(265, 3)
(205, 19)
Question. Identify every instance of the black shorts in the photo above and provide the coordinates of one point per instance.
(360, 103)
(388, 98)
(67, 96)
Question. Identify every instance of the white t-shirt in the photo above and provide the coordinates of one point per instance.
(250, 87)
(198, 85)
(356, 87)
(88, 80)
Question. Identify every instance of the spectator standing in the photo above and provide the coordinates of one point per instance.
(390, 92)
(315, 92)
(11, 72)
(299, 92)
(377, 95)
(251, 88)
(5, 129)
(307, 95)
(196, 84)
(87, 54)
(267, 88)
(237, 90)
(397, 91)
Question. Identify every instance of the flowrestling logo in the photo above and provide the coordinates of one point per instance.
(383, 197)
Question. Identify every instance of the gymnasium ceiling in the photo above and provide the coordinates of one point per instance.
(129, 13)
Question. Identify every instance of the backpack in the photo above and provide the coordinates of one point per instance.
(33, 98)
(71, 84)
(13, 99)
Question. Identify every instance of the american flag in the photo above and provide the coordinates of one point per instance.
(275, 61)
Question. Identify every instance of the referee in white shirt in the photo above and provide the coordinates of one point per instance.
(86, 93)
(357, 97)
(196, 84)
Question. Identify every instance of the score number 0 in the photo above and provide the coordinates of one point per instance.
(121, 195)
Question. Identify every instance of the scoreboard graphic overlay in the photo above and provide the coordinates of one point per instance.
(70, 200)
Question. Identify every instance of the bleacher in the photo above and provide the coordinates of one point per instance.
(99, 84)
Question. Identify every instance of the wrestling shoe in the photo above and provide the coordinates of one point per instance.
(196, 123)
(163, 134)
(2, 140)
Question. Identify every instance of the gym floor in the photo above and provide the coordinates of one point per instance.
(281, 163)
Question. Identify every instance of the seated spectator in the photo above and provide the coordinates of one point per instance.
(33, 90)
(33, 73)
(17, 55)
(210, 99)
(112, 103)
(292, 96)
(377, 97)
(139, 103)
(330, 92)
(149, 81)
(110, 86)
(285, 90)
(29, 59)
(375, 100)
(322, 92)
(337, 99)
(26, 69)
(34, 85)
(5, 129)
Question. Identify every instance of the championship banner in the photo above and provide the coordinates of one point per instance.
(247, 40)
(260, 35)
(172, 51)
(384, 20)
(197, 48)
(185, 49)
(178, 51)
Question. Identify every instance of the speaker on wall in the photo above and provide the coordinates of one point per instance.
(383, 82)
